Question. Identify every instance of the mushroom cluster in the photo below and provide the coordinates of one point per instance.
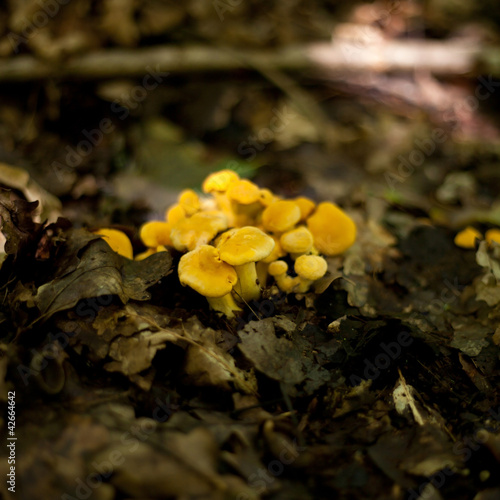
(236, 237)
(468, 236)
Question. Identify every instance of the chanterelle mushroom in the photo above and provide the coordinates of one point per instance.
(217, 184)
(117, 240)
(492, 236)
(204, 271)
(309, 268)
(332, 229)
(467, 237)
(297, 241)
(280, 216)
(156, 233)
(244, 197)
(241, 248)
(197, 230)
(278, 269)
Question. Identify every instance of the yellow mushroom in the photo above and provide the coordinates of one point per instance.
(267, 197)
(263, 265)
(244, 197)
(174, 214)
(492, 235)
(309, 268)
(467, 238)
(217, 184)
(297, 241)
(280, 216)
(204, 271)
(332, 229)
(156, 233)
(197, 230)
(242, 248)
(189, 201)
(117, 240)
(306, 207)
(279, 269)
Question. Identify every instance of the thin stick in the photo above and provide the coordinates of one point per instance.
(443, 58)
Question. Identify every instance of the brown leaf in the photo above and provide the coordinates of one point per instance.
(16, 217)
(99, 272)
(208, 365)
(279, 358)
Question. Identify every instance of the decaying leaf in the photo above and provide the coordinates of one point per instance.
(100, 272)
(16, 217)
(279, 358)
(208, 365)
(49, 206)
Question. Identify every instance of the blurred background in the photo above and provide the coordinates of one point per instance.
(389, 107)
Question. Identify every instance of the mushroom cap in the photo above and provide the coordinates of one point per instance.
(299, 240)
(174, 214)
(267, 197)
(492, 235)
(156, 233)
(117, 240)
(276, 253)
(467, 237)
(306, 206)
(189, 201)
(204, 271)
(280, 216)
(332, 229)
(311, 267)
(149, 252)
(197, 230)
(244, 245)
(277, 268)
(219, 181)
(244, 192)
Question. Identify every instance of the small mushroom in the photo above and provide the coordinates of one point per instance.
(204, 271)
(117, 240)
(297, 242)
(156, 233)
(174, 214)
(263, 265)
(244, 197)
(242, 248)
(332, 229)
(309, 268)
(492, 236)
(279, 269)
(217, 184)
(267, 197)
(467, 237)
(189, 201)
(197, 230)
(280, 216)
(306, 207)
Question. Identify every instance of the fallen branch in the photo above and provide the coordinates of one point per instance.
(440, 58)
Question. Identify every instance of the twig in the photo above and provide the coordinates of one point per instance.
(443, 58)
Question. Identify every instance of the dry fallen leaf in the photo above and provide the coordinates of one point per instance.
(100, 272)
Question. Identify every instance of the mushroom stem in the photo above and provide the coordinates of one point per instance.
(286, 283)
(247, 286)
(225, 304)
(303, 285)
(278, 269)
(262, 272)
